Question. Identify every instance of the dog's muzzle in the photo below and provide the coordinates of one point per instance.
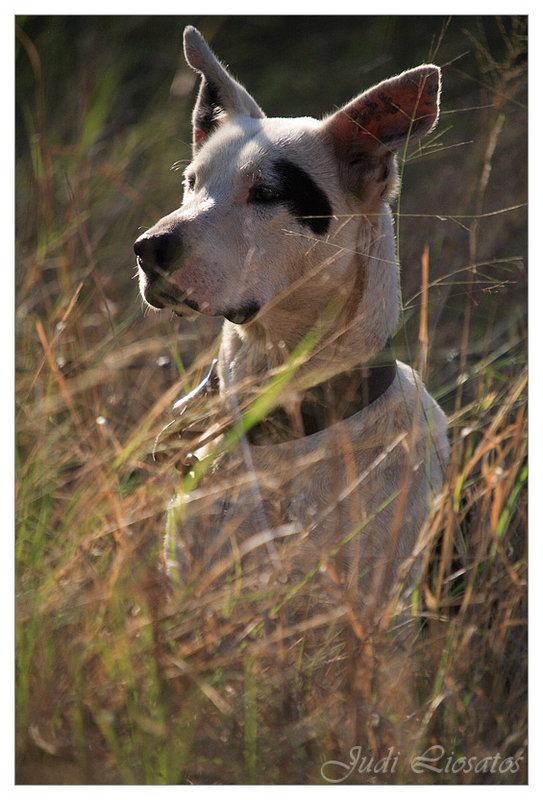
(158, 255)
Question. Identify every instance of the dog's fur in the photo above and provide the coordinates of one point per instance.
(286, 231)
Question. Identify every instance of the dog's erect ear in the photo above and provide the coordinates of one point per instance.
(383, 119)
(220, 96)
(386, 116)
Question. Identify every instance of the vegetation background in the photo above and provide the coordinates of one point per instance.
(107, 689)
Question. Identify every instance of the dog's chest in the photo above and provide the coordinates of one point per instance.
(332, 493)
(316, 485)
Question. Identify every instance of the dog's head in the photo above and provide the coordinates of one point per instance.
(272, 206)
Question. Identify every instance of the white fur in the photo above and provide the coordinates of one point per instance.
(236, 252)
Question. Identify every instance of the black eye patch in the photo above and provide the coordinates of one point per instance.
(304, 199)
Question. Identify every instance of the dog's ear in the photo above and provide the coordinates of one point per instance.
(220, 96)
(368, 131)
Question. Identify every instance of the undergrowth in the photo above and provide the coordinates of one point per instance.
(120, 679)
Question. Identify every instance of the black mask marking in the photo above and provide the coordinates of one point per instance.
(305, 200)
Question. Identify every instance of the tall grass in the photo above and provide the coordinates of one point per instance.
(119, 679)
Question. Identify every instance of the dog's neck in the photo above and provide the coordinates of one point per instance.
(319, 394)
(333, 400)
(345, 340)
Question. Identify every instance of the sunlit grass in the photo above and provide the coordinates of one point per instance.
(228, 680)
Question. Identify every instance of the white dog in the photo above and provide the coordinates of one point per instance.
(285, 231)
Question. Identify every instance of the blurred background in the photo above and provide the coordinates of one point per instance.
(103, 107)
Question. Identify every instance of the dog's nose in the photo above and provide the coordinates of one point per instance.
(158, 250)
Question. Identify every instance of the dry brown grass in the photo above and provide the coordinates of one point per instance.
(229, 680)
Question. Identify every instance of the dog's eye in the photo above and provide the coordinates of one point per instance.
(190, 180)
(263, 194)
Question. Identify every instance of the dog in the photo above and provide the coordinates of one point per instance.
(286, 232)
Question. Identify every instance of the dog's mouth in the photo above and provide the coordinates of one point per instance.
(161, 293)
(158, 292)
(243, 315)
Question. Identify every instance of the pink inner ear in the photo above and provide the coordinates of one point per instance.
(199, 137)
(390, 112)
(192, 57)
